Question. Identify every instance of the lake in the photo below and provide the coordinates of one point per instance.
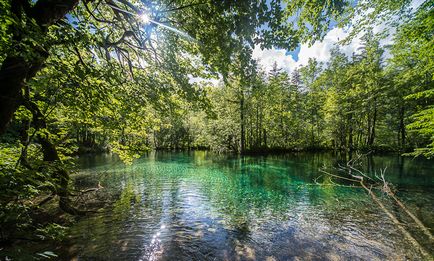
(204, 206)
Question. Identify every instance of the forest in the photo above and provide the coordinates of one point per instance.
(129, 77)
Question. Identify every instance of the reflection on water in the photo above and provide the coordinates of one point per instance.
(202, 206)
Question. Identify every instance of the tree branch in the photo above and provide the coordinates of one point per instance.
(181, 7)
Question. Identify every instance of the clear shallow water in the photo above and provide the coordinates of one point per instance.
(202, 206)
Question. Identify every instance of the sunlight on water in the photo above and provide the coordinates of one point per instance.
(201, 206)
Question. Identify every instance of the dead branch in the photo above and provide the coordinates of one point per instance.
(339, 177)
(388, 191)
(395, 221)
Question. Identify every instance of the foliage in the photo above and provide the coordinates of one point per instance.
(53, 231)
(413, 55)
(361, 102)
(101, 79)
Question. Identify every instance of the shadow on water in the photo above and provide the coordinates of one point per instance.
(203, 206)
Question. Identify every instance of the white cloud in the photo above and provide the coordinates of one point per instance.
(268, 57)
(201, 80)
(321, 50)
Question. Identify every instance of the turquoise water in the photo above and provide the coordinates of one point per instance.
(203, 206)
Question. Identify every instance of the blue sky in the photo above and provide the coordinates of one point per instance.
(294, 53)
(320, 50)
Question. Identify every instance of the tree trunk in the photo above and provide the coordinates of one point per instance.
(265, 138)
(25, 140)
(261, 118)
(372, 130)
(350, 133)
(251, 132)
(401, 134)
(368, 125)
(257, 139)
(15, 71)
(12, 76)
(50, 155)
(243, 133)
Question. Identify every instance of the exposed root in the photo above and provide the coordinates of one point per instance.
(66, 206)
(47, 199)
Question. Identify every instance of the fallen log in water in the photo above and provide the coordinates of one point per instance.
(385, 188)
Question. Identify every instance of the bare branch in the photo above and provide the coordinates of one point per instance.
(94, 17)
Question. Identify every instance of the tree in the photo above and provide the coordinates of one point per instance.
(314, 100)
(413, 62)
(336, 104)
(114, 27)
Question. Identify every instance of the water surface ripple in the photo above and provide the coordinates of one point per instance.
(201, 206)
